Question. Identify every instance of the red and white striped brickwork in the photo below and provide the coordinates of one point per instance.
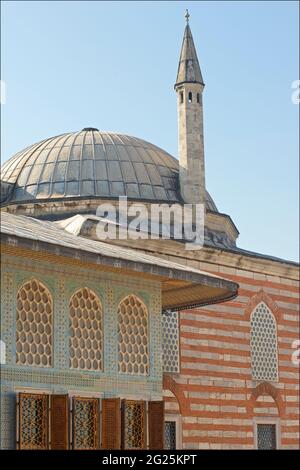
(214, 394)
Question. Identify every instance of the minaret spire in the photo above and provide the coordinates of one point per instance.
(189, 87)
(188, 68)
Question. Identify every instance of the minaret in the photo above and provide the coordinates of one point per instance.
(189, 88)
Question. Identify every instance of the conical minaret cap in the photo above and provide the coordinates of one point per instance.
(188, 68)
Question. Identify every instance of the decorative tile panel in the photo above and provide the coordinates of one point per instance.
(62, 282)
(8, 316)
(170, 331)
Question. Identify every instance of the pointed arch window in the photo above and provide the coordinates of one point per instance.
(34, 325)
(133, 337)
(263, 344)
(86, 331)
(190, 97)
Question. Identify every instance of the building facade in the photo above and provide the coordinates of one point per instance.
(138, 343)
(236, 385)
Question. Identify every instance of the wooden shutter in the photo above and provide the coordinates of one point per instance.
(156, 425)
(111, 424)
(59, 422)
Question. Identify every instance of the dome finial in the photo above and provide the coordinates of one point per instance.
(187, 16)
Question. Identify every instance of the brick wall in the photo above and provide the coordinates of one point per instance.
(218, 400)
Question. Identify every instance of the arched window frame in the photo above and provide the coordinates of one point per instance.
(87, 343)
(267, 376)
(141, 346)
(34, 324)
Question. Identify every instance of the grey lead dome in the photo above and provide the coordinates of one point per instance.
(93, 163)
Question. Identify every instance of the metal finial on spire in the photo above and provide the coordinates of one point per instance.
(187, 16)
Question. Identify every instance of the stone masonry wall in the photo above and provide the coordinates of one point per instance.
(218, 400)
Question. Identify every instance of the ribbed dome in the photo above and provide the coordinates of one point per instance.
(92, 163)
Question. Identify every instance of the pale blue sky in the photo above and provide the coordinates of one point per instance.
(112, 65)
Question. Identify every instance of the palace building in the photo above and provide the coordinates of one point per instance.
(138, 343)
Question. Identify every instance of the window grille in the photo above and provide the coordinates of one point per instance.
(170, 435)
(85, 423)
(133, 424)
(33, 421)
(266, 436)
(34, 325)
(133, 345)
(263, 342)
(86, 331)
